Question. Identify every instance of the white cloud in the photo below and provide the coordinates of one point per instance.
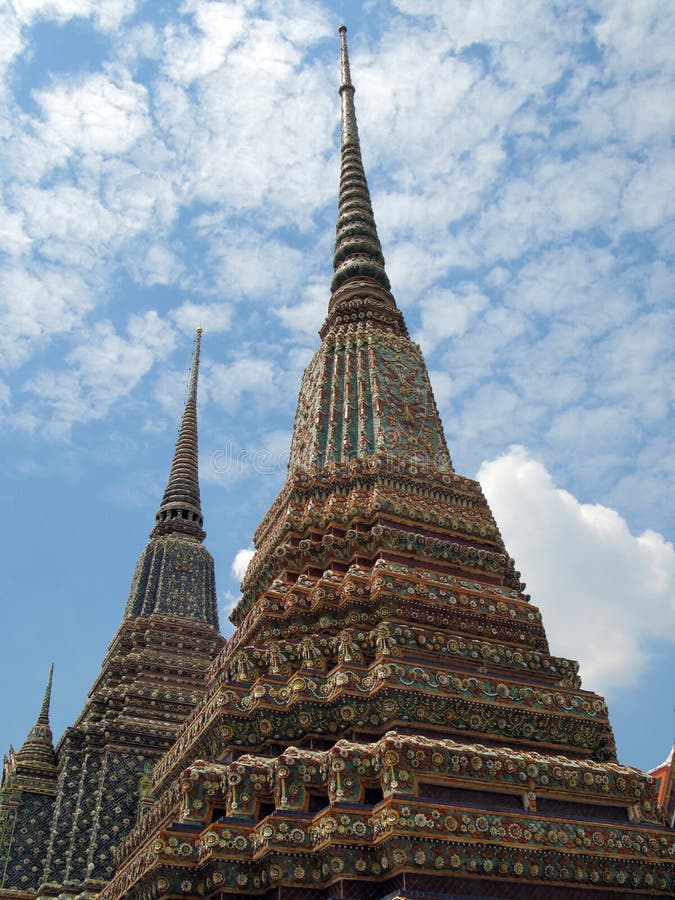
(604, 593)
(650, 197)
(634, 112)
(307, 315)
(102, 369)
(11, 45)
(241, 561)
(13, 237)
(636, 35)
(68, 225)
(37, 302)
(443, 387)
(447, 314)
(155, 264)
(190, 56)
(92, 115)
(560, 281)
(413, 266)
(248, 376)
(106, 15)
(229, 601)
(251, 267)
(245, 135)
(212, 317)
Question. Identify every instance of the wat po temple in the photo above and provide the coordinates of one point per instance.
(385, 721)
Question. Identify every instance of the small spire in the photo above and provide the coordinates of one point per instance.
(43, 717)
(180, 511)
(38, 748)
(358, 252)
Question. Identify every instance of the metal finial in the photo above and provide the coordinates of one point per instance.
(194, 368)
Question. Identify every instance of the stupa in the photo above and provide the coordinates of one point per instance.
(387, 719)
(63, 808)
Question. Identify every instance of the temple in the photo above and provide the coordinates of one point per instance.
(664, 776)
(386, 720)
(64, 808)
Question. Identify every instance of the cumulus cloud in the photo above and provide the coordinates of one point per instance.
(247, 266)
(229, 600)
(241, 561)
(156, 264)
(604, 593)
(636, 37)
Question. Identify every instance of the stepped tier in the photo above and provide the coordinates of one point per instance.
(334, 659)
(370, 508)
(381, 597)
(403, 803)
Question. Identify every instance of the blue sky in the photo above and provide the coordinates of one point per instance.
(173, 165)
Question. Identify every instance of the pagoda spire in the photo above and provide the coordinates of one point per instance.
(38, 748)
(358, 252)
(366, 395)
(180, 511)
(174, 574)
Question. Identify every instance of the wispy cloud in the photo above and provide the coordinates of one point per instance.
(101, 369)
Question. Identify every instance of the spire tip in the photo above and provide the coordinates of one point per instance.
(44, 709)
(180, 510)
(345, 79)
(358, 252)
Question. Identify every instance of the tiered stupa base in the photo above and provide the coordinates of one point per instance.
(388, 709)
